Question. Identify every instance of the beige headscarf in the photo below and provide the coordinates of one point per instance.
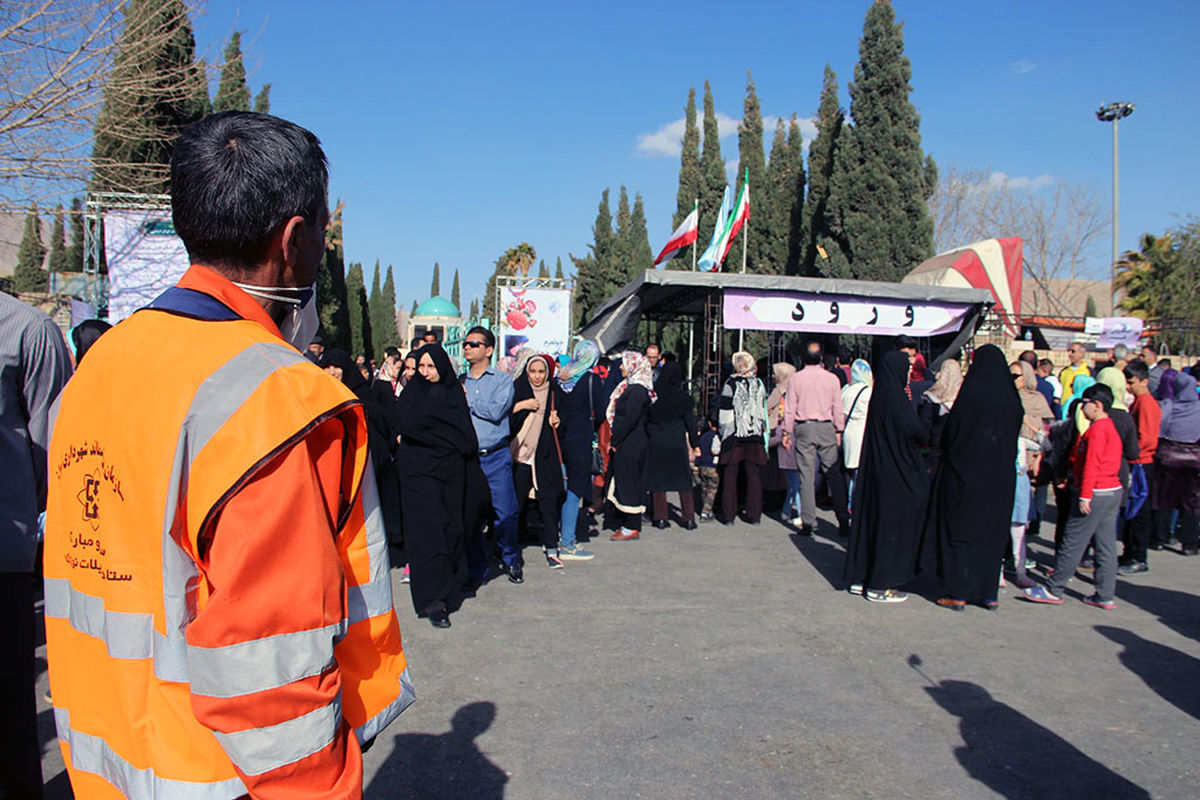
(783, 372)
(949, 381)
(1034, 402)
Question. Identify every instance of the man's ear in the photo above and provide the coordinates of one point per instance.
(291, 236)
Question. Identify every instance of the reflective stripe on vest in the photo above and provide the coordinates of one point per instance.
(92, 754)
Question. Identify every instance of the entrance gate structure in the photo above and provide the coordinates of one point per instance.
(943, 318)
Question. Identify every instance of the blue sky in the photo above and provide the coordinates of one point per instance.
(456, 130)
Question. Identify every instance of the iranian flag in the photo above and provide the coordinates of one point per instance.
(684, 235)
(739, 217)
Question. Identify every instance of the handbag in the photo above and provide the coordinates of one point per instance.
(597, 466)
(1177, 455)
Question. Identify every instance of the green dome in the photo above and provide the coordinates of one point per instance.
(436, 307)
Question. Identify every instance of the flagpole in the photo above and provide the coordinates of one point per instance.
(745, 236)
(695, 244)
(692, 324)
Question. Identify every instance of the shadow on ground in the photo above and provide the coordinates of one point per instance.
(1179, 611)
(1167, 672)
(437, 766)
(1016, 757)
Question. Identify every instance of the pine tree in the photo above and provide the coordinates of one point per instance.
(712, 171)
(435, 288)
(332, 304)
(262, 100)
(75, 255)
(543, 270)
(387, 335)
(689, 179)
(59, 260)
(830, 120)
(232, 92)
(751, 159)
(877, 213)
(361, 335)
(622, 257)
(150, 95)
(455, 294)
(558, 273)
(641, 256)
(28, 275)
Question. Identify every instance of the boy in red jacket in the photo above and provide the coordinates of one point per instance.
(1096, 467)
(1138, 516)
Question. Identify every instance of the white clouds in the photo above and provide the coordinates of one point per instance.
(1001, 180)
(1021, 66)
(667, 141)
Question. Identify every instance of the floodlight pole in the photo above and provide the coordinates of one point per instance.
(1113, 112)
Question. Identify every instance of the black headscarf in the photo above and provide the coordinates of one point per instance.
(892, 487)
(85, 335)
(435, 414)
(351, 374)
(673, 402)
(973, 492)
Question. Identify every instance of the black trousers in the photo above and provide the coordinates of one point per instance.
(1135, 534)
(549, 505)
(20, 754)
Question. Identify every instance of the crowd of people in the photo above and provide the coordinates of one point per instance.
(944, 472)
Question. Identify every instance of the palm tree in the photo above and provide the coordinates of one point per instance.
(1144, 277)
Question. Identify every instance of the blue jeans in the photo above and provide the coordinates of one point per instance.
(498, 469)
(791, 500)
(570, 516)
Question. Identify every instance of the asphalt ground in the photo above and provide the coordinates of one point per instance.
(731, 662)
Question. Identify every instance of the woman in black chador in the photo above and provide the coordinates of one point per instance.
(972, 498)
(626, 414)
(671, 425)
(437, 447)
(890, 491)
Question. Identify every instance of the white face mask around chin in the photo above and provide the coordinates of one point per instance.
(301, 324)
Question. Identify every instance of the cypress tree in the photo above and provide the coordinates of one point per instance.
(623, 245)
(591, 271)
(877, 210)
(388, 335)
(775, 246)
(558, 273)
(375, 303)
(332, 305)
(543, 270)
(356, 301)
(587, 287)
(712, 171)
(413, 311)
(28, 275)
(641, 256)
(752, 159)
(455, 294)
(262, 100)
(199, 93)
(75, 255)
(793, 198)
(59, 260)
(232, 92)
(474, 308)
(435, 288)
(150, 95)
(830, 119)
(689, 179)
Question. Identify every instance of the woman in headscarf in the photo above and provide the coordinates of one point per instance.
(1126, 427)
(784, 457)
(856, 399)
(1037, 414)
(972, 498)
(1064, 436)
(584, 405)
(890, 492)
(1177, 465)
(437, 446)
(537, 455)
(671, 427)
(626, 416)
(935, 405)
(742, 423)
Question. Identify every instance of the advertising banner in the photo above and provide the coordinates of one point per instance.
(144, 256)
(1115, 330)
(537, 318)
(831, 313)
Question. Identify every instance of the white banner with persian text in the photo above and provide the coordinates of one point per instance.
(145, 257)
(1113, 331)
(833, 313)
(537, 318)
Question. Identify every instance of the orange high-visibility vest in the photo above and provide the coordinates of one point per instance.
(138, 473)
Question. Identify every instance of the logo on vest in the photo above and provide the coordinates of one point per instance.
(89, 498)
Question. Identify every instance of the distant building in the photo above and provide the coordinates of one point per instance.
(436, 314)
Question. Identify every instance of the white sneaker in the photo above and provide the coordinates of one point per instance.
(797, 521)
(886, 596)
(856, 588)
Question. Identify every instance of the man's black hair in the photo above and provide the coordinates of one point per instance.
(1099, 391)
(1029, 357)
(391, 351)
(1045, 362)
(813, 352)
(844, 355)
(1165, 363)
(237, 178)
(489, 338)
(1137, 370)
(906, 342)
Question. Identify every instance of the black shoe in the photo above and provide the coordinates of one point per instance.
(516, 574)
(807, 530)
(439, 619)
(661, 524)
(690, 525)
(1157, 546)
(1133, 568)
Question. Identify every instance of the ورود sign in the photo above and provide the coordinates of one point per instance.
(834, 313)
(1115, 330)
